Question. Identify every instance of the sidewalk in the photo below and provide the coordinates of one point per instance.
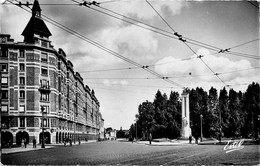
(38, 147)
(167, 143)
(23, 149)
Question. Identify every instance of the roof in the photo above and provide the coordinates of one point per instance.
(36, 26)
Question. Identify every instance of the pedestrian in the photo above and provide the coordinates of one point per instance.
(70, 142)
(150, 138)
(34, 143)
(10, 143)
(79, 140)
(64, 141)
(196, 139)
(190, 139)
(24, 143)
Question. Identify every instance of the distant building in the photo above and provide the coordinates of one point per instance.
(122, 133)
(39, 87)
(111, 133)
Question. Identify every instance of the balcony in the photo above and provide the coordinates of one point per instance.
(22, 100)
(45, 88)
(21, 86)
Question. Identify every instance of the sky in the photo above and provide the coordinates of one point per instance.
(121, 86)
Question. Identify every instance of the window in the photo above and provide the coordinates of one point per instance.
(4, 108)
(44, 57)
(22, 122)
(22, 108)
(44, 83)
(44, 44)
(44, 97)
(22, 80)
(4, 67)
(45, 122)
(21, 54)
(4, 80)
(22, 94)
(44, 71)
(36, 40)
(45, 108)
(21, 66)
(4, 94)
(4, 52)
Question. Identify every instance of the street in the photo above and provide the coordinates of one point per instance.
(125, 153)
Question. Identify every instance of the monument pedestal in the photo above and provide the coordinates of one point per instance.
(185, 129)
(185, 132)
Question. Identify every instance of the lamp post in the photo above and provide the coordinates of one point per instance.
(136, 130)
(201, 134)
(220, 127)
(43, 140)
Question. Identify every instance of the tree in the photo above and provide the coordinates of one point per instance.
(198, 106)
(132, 131)
(213, 113)
(251, 111)
(146, 118)
(173, 116)
(234, 114)
(224, 111)
(160, 107)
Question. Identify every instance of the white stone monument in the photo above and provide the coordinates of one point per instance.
(185, 115)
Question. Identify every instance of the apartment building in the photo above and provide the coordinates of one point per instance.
(40, 91)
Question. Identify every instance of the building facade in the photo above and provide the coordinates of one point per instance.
(40, 91)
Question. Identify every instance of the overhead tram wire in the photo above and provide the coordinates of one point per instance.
(239, 45)
(183, 40)
(253, 4)
(189, 75)
(131, 85)
(110, 1)
(55, 23)
(190, 41)
(105, 70)
(161, 31)
(200, 43)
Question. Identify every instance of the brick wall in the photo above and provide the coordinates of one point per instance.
(30, 76)
(30, 100)
(15, 100)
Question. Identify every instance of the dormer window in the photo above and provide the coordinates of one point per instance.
(38, 14)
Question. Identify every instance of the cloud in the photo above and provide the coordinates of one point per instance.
(106, 82)
(228, 70)
(142, 10)
(130, 41)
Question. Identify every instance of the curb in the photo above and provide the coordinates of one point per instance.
(27, 150)
(175, 144)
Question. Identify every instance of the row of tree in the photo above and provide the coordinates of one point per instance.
(229, 114)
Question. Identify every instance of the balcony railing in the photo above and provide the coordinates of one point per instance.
(45, 88)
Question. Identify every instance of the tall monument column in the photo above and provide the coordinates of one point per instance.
(185, 115)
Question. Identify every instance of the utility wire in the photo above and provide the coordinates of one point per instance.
(104, 48)
(199, 56)
(239, 45)
(111, 1)
(132, 85)
(200, 43)
(183, 76)
(253, 4)
(105, 70)
(161, 16)
(161, 31)
(190, 41)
